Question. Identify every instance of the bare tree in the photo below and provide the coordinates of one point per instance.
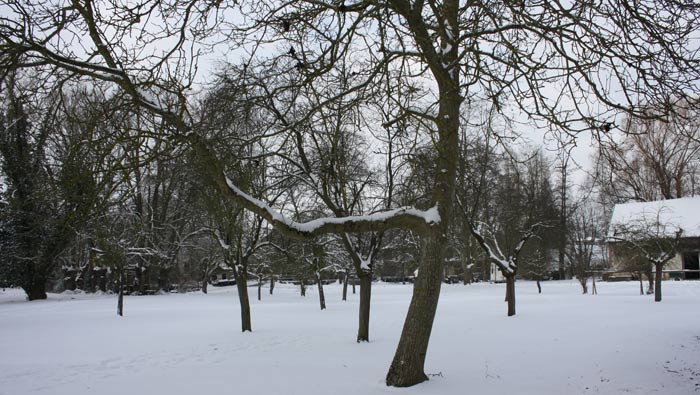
(494, 51)
(583, 234)
(506, 263)
(629, 259)
(653, 159)
(654, 239)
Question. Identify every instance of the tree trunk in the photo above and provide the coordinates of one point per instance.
(103, 281)
(143, 281)
(650, 278)
(464, 272)
(120, 302)
(641, 283)
(302, 286)
(205, 284)
(584, 284)
(345, 286)
(353, 288)
(120, 298)
(403, 272)
(594, 291)
(87, 279)
(510, 295)
(407, 366)
(34, 283)
(539, 286)
(321, 295)
(272, 283)
(659, 277)
(242, 285)
(563, 219)
(36, 289)
(259, 289)
(365, 299)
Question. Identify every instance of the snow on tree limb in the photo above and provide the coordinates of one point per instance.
(508, 265)
(404, 217)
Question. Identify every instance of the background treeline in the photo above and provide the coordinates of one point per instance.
(94, 199)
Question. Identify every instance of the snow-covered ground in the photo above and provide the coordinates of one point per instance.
(560, 342)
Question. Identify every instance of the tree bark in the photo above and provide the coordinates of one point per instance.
(205, 284)
(641, 283)
(510, 295)
(365, 299)
(272, 283)
(321, 295)
(659, 277)
(302, 286)
(345, 286)
(650, 278)
(242, 286)
(594, 291)
(259, 289)
(539, 286)
(407, 366)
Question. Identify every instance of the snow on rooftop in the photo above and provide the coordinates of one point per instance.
(673, 214)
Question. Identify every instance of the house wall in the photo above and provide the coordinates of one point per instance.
(676, 263)
(496, 276)
(688, 245)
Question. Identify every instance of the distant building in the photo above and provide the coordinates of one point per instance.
(666, 217)
(496, 276)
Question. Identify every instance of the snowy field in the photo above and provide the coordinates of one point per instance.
(560, 342)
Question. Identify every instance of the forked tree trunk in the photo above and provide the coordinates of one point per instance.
(242, 286)
(407, 367)
(345, 286)
(365, 301)
(659, 277)
(510, 294)
(321, 295)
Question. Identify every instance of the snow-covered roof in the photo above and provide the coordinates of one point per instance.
(673, 214)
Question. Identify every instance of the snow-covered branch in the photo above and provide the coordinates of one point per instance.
(405, 217)
(508, 265)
